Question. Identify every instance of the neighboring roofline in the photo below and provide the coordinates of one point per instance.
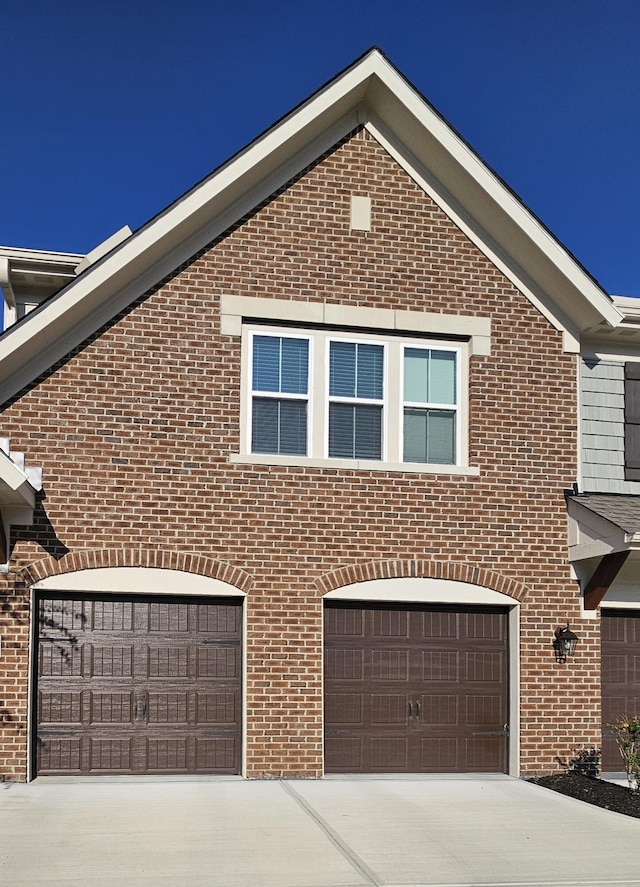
(369, 92)
(40, 255)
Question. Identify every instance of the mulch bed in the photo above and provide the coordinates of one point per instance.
(594, 791)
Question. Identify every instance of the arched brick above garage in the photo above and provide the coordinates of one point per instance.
(471, 574)
(94, 559)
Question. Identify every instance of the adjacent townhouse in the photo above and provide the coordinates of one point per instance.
(301, 449)
(604, 510)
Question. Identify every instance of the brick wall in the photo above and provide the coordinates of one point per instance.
(134, 429)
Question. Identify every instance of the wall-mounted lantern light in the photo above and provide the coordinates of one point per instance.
(564, 643)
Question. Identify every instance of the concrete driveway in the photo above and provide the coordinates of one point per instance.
(338, 832)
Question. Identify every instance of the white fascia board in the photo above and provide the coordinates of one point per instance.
(21, 254)
(155, 250)
(485, 243)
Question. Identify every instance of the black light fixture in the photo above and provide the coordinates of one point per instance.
(564, 643)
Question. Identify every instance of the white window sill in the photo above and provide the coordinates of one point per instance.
(353, 464)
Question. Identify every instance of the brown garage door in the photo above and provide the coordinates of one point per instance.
(415, 689)
(620, 634)
(138, 685)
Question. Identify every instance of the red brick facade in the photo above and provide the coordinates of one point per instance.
(134, 430)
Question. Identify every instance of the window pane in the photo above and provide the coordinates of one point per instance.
(370, 359)
(279, 427)
(429, 436)
(442, 377)
(266, 363)
(416, 375)
(429, 376)
(415, 435)
(280, 364)
(342, 369)
(441, 437)
(355, 432)
(356, 370)
(295, 366)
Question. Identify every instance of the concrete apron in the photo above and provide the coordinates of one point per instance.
(298, 833)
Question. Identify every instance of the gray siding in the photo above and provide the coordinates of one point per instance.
(602, 428)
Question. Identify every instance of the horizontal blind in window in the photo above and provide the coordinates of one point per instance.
(280, 367)
(356, 373)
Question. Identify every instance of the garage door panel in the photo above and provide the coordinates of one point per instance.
(344, 622)
(413, 707)
(61, 658)
(440, 665)
(168, 708)
(614, 667)
(218, 662)
(217, 755)
(109, 662)
(217, 708)
(389, 753)
(388, 709)
(482, 753)
(60, 708)
(110, 708)
(167, 755)
(439, 624)
(344, 664)
(110, 755)
(389, 624)
(343, 754)
(485, 667)
(440, 755)
(485, 709)
(440, 709)
(108, 616)
(122, 698)
(167, 662)
(344, 708)
(485, 626)
(63, 619)
(389, 665)
(60, 755)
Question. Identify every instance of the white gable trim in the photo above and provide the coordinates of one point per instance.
(480, 238)
(371, 90)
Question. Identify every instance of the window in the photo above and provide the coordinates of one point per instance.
(339, 398)
(429, 408)
(355, 400)
(280, 394)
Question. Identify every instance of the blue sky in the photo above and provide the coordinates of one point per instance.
(112, 110)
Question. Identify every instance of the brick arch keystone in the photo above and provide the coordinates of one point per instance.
(93, 559)
(426, 569)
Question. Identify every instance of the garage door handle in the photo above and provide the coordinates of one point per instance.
(410, 709)
(139, 707)
(417, 709)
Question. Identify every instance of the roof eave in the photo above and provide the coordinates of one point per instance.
(372, 86)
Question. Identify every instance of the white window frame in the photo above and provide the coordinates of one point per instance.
(392, 405)
(358, 401)
(277, 395)
(446, 407)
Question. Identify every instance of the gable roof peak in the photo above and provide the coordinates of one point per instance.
(370, 92)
